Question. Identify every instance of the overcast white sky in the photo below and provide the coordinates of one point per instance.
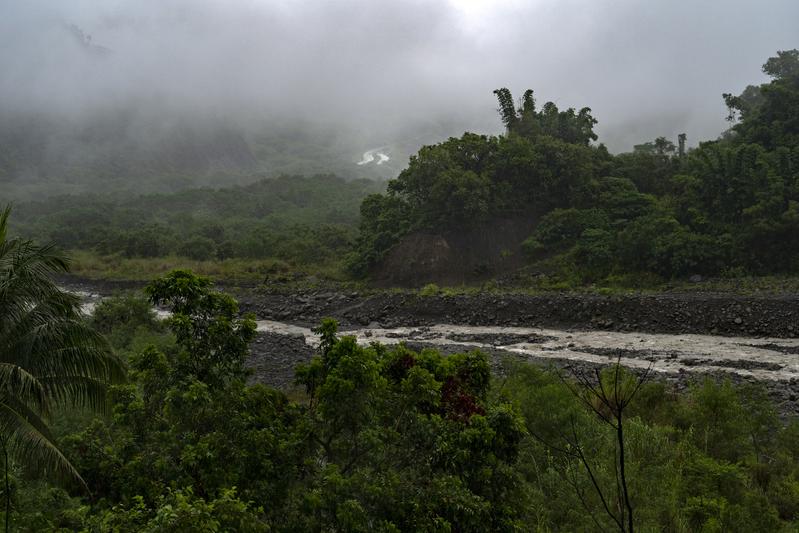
(646, 68)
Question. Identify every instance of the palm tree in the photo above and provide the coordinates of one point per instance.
(49, 357)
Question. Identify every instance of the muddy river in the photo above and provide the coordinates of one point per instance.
(774, 361)
(760, 358)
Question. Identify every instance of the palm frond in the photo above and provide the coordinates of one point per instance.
(4, 214)
(33, 449)
(77, 391)
(33, 417)
(67, 347)
(16, 382)
(48, 354)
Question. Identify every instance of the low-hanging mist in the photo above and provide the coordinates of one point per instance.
(381, 70)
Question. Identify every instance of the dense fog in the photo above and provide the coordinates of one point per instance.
(385, 69)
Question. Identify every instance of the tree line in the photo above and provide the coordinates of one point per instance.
(726, 207)
(300, 222)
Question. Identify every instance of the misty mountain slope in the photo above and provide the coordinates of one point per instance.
(115, 152)
(308, 148)
(122, 152)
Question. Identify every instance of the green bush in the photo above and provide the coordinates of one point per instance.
(198, 248)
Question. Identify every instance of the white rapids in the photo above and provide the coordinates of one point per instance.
(760, 358)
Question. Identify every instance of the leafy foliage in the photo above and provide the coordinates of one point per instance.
(306, 222)
(569, 126)
(420, 444)
(471, 180)
(728, 205)
(387, 438)
(49, 357)
(768, 113)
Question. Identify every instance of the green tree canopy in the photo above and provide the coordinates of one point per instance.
(574, 127)
(769, 114)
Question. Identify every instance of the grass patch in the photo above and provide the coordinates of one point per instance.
(277, 273)
(116, 267)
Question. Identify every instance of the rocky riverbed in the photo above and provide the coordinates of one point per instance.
(701, 313)
(680, 337)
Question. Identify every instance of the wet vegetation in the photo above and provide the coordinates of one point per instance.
(386, 438)
(727, 207)
(272, 227)
(124, 422)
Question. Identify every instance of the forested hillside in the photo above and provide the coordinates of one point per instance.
(728, 207)
(544, 204)
(116, 151)
(299, 222)
(136, 151)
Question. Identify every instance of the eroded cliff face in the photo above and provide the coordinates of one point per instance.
(454, 257)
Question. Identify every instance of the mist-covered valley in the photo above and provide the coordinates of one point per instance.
(141, 97)
(450, 265)
(123, 153)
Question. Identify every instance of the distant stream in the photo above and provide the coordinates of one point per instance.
(375, 153)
